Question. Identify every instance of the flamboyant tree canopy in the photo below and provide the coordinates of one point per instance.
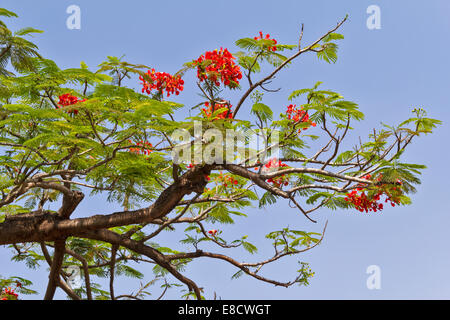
(68, 134)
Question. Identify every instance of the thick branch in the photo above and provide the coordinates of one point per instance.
(58, 257)
(155, 255)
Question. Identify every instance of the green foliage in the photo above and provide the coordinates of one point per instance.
(120, 70)
(305, 273)
(249, 247)
(292, 240)
(19, 284)
(258, 51)
(422, 123)
(267, 199)
(7, 13)
(327, 51)
(262, 111)
(14, 48)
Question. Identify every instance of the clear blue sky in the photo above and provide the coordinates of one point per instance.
(387, 72)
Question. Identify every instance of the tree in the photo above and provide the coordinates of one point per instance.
(68, 133)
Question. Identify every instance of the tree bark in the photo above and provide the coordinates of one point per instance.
(41, 226)
(58, 257)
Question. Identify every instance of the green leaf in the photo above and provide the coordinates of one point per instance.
(249, 247)
(26, 31)
(267, 199)
(333, 36)
(328, 53)
(237, 274)
(263, 111)
(247, 44)
(7, 13)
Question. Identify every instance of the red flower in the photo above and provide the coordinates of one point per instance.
(274, 163)
(143, 147)
(162, 81)
(270, 48)
(298, 115)
(209, 110)
(226, 180)
(213, 232)
(68, 100)
(281, 180)
(218, 66)
(363, 202)
(8, 294)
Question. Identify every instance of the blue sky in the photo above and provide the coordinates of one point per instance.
(387, 72)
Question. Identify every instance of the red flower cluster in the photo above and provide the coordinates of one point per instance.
(226, 180)
(298, 115)
(67, 100)
(363, 202)
(272, 48)
(218, 65)
(274, 163)
(8, 294)
(143, 147)
(213, 232)
(280, 180)
(210, 108)
(161, 81)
